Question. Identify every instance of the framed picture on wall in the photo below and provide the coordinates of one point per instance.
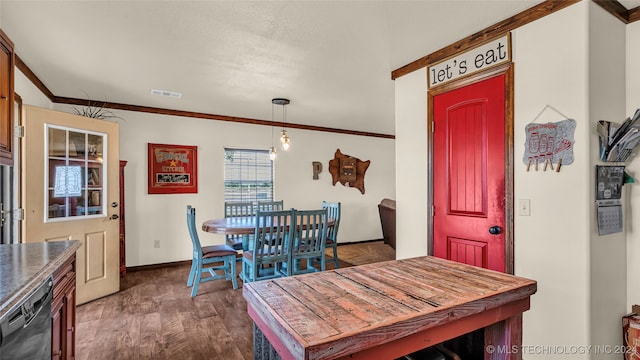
(172, 169)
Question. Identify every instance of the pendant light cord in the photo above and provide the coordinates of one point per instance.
(284, 116)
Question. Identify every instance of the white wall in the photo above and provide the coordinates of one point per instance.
(607, 102)
(162, 217)
(551, 245)
(632, 216)
(30, 93)
(411, 165)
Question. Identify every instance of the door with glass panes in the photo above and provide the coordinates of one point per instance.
(71, 192)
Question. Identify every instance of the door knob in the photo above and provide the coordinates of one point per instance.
(495, 230)
(114, 217)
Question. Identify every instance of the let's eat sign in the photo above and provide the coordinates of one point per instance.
(482, 57)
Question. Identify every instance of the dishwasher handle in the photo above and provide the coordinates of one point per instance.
(38, 304)
(30, 307)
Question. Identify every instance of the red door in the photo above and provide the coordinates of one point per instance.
(469, 174)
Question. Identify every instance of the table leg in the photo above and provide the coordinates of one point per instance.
(504, 339)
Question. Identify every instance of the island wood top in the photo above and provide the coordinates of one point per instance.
(334, 313)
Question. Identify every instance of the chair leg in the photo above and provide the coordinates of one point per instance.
(231, 263)
(335, 256)
(244, 273)
(194, 290)
(192, 273)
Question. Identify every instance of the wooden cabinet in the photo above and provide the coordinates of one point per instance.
(63, 311)
(123, 258)
(7, 61)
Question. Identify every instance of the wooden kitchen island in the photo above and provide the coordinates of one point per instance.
(387, 310)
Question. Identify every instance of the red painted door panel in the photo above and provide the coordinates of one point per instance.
(469, 173)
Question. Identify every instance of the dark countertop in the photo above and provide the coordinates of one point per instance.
(25, 266)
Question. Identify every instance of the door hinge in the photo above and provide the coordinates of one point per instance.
(433, 210)
(19, 131)
(18, 214)
(433, 126)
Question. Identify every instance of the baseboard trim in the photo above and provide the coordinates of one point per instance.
(158, 266)
(359, 242)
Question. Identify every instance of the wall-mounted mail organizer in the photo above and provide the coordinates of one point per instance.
(619, 141)
(609, 181)
(549, 146)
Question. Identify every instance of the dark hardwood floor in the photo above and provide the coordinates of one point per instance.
(154, 317)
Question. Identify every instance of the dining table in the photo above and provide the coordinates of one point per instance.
(242, 225)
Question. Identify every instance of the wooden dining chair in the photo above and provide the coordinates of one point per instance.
(335, 211)
(209, 259)
(310, 236)
(274, 205)
(237, 209)
(271, 247)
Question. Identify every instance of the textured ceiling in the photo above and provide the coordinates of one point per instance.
(630, 4)
(333, 59)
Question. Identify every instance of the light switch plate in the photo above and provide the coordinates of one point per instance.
(524, 207)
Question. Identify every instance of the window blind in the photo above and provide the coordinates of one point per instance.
(248, 175)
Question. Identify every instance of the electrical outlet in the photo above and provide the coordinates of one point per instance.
(156, 244)
(524, 207)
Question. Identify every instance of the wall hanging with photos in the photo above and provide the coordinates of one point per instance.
(549, 146)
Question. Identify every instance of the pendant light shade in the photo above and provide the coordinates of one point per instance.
(285, 140)
(272, 154)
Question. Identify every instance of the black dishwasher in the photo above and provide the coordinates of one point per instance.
(25, 331)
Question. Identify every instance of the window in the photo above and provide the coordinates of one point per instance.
(74, 173)
(248, 175)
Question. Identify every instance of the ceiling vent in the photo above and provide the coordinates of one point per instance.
(172, 94)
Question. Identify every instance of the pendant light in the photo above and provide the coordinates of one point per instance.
(285, 140)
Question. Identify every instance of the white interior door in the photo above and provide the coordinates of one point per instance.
(71, 192)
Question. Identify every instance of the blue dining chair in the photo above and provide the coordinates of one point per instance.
(335, 211)
(274, 205)
(209, 259)
(310, 235)
(271, 247)
(237, 209)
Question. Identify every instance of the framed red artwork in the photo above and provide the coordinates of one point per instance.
(172, 169)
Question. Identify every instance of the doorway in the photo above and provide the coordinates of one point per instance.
(471, 141)
(71, 191)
